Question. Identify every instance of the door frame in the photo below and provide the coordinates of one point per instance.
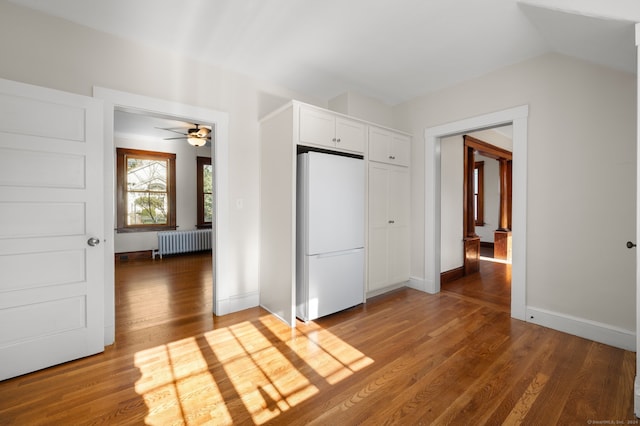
(220, 120)
(518, 117)
(636, 399)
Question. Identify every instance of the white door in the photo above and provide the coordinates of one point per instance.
(51, 196)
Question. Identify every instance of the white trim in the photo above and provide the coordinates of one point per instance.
(418, 284)
(387, 289)
(636, 406)
(518, 117)
(239, 303)
(636, 394)
(592, 330)
(220, 120)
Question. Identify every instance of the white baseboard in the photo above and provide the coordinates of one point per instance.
(636, 397)
(387, 289)
(238, 303)
(592, 330)
(418, 284)
(422, 284)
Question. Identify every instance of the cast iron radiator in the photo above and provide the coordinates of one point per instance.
(174, 242)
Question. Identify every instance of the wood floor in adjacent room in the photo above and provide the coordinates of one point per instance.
(403, 358)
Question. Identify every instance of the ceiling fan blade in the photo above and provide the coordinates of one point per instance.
(170, 139)
(172, 130)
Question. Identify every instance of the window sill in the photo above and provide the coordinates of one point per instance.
(145, 229)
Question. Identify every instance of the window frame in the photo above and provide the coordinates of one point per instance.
(479, 193)
(201, 162)
(121, 190)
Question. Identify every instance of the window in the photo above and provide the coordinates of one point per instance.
(146, 188)
(478, 192)
(205, 192)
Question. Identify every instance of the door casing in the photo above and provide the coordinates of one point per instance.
(518, 117)
(221, 239)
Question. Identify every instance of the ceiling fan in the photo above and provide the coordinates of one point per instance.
(196, 136)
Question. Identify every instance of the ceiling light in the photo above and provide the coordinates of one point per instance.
(196, 140)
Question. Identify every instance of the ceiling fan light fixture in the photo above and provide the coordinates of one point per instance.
(196, 140)
(196, 136)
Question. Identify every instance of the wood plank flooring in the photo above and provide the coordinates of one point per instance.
(403, 358)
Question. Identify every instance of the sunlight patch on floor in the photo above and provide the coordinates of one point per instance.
(491, 259)
(253, 369)
(176, 384)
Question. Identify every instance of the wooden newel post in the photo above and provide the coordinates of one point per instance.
(502, 236)
(504, 224)
(471, 240)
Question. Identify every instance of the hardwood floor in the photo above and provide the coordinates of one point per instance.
(403, 358)
(492, 286)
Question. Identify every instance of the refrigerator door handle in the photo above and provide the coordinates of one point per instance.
(338, 253)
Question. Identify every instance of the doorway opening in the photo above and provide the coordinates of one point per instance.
(123, 101)
(164, 183)
(476, 215)
(160, 179)
(517, 117)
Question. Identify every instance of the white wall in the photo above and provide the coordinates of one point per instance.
(61, 55)
(581, 178)
(451, 203)
(363, 107)
(186, 190)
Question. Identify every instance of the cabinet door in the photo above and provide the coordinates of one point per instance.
(379, 142)
(317, 127)
(398, 230)
(388, 147)
(378, 259)
(399, 150)
(378, 238)
(350, 135)
(378, 195)
(398, 255)
(389, 204)
(398, 208)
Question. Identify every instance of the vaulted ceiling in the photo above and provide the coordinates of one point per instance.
(393, 50)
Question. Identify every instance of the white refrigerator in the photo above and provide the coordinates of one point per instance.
(330, 234)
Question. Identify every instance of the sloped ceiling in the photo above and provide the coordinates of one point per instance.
(607, 42)
(393, 50)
